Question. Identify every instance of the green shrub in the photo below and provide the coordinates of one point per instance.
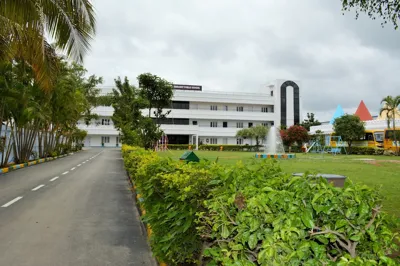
(260, 216)
(173, 193)
(181, 146)
(254, 214)
(217, 147)
(366, 151)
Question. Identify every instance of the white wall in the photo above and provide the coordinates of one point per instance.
(95, 141)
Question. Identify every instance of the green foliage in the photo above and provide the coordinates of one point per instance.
(258, 132)
(310, 121)
(48, 118)
(350, 128)
(367, 151)
(25, 27)
(386, 10)
(227, 147)
(254, 214)
(157, 92)
(128, 102)
(181, 146)
(260, 216)
(391, 105)
(173, 192)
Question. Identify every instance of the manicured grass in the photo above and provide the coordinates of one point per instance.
(382, 172)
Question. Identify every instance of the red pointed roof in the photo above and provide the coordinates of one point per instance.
(363, 112)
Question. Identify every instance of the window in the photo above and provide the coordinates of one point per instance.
(239, 125)
(213, 141)
(264, 109)
(272, 109)
(172, 121)
(194, 123)
(213, 124)
(264, 124)
(239, 108)
(179, 105)
(105, 139)
(105, 122)
(226, 107)
(272, 123)
(272, 93)
(250, 124)
(239, 141)
(224, 124)
(213, 107)
(225, 140)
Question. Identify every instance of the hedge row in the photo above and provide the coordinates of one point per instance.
(181, 146)
(367, 151)
(226, 147)
(254, 214)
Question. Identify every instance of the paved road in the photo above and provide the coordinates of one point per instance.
(76, 210)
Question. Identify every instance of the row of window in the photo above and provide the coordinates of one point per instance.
(264, 109)
(106, 139)
(239, 141)
(238, 124)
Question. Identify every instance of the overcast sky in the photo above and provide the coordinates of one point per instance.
(237, 45)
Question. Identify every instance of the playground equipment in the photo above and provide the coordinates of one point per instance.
(162, 144)
(331, 144)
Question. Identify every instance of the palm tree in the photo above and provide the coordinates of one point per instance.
(25, 23)
(391, 107)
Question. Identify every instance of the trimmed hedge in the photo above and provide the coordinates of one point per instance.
(225, 147)
(366, 151)
(254, 214)
(181, 146)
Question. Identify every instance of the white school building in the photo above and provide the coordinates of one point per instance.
(212, 117)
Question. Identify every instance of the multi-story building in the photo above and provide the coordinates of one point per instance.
(211, 117)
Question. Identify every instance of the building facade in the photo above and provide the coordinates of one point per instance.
(211, 117)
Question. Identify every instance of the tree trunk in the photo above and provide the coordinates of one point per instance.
(349, 144)
(256, 143)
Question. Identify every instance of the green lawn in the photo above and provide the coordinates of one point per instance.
(382, 172)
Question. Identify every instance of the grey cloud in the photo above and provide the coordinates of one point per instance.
(233, 45)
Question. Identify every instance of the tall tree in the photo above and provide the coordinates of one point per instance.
(128, 102)
(350, 128)
(127, 115)
(310, 121)
(157, 91)
(24, 25)
(387, 10)
(258, 132)
(294, 134)
(391, 107)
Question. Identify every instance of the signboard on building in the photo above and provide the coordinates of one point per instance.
(187, 87)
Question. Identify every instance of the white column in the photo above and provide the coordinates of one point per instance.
(197, 142)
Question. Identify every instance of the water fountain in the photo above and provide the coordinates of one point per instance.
(273, 147)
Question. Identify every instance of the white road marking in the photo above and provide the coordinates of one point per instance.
(11, 202)
(65, 173)
(73, 168)
(54, 178)
(36, 188)
(79, 165)
(83, 162)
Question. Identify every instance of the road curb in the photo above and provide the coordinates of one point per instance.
(31, 163)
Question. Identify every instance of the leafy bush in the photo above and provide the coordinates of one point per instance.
(173, 193)
(366, 151)
(225, 147)
(254, 214)
(181, 146)
(261, 216)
